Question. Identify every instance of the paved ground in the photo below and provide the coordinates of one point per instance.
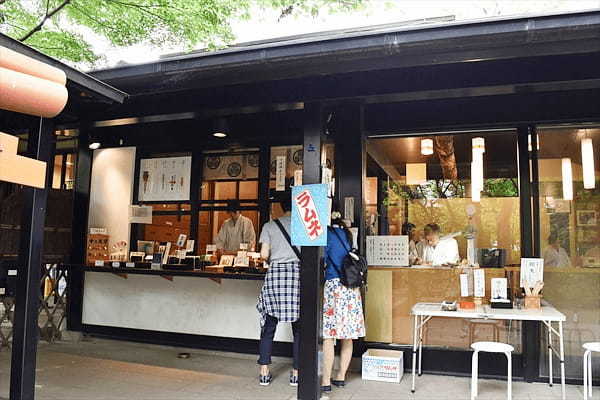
(108, 370)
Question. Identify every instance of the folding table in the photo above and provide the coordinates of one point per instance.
(423, 312)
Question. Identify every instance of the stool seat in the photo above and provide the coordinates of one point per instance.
(492, 347)
(592, 346)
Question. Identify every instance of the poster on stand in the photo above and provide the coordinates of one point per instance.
(165, 179)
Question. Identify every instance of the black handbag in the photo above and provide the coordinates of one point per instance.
(354, 269)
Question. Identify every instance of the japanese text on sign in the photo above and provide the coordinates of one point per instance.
(308, 214)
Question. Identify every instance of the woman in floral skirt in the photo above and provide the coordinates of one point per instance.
(342, 307)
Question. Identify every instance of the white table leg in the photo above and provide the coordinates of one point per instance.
(585, 374)
(562, 359)
(421, 327)
(414, 355)
(550, 354)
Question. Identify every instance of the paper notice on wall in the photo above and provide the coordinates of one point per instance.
(387, 251)
(479, 282)
(280, 173)
(211, 248)
(349, 209)
(189, 246)
(464, 285)
(298, 177)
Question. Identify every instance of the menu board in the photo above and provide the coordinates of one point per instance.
(388, 251)
(165, 179)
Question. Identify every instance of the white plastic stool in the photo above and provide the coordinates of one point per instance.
(490, 347)
(587, 367)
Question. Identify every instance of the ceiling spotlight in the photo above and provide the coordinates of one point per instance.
(220, 128)
(94, 146)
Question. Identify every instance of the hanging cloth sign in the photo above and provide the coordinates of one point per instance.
(310, 215)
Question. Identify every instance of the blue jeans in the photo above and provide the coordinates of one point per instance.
(266, 341)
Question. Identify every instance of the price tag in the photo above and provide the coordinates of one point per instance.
(211, 248)
(2, 290)
(479, 282)
(243, 246)
(99, 263)
(12, 272)
(155, 266)
(130, 265)
(116, 264)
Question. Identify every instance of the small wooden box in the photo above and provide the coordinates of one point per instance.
(96, 249)
(533, 302)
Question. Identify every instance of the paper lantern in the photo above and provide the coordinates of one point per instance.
(426, 147)
(567, 179)
(587, 159)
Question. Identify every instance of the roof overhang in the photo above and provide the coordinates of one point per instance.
(76, 80)
(339, 52)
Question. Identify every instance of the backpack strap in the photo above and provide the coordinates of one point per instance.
(287, 237)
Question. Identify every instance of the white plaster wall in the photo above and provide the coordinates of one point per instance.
(187, 305)
(111, 191)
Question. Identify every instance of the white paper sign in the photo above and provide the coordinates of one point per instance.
(189, 245)
(99, 263)
(165, 179)
(389, 251)
(129, 265)
(181, 240)
(479, 282)
(499, 289)
(532, 271)
(349, 209)
(211, 248)
(116, 264)
(98, 231)
(140, 214)
(244, 246)
(280, 173)
(464, 285)
(2, 290)
(298, 177)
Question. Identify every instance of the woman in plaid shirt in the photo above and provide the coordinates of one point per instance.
(279, 299)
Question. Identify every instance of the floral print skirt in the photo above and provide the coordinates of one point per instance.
(342, 312)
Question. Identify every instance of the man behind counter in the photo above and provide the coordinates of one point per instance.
(235, 230)
(435, 250)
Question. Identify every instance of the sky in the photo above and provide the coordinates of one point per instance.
(265, 25)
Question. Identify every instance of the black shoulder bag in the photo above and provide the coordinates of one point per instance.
(354, 267)
(287, 237)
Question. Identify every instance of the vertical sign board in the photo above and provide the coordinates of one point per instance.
(280, 170)
(310, 215)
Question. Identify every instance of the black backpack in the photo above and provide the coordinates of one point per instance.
(353, 271)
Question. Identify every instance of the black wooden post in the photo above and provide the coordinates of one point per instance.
(350, 161)
(41, 145)
(531, 329)
(310, 285)
(81, 199)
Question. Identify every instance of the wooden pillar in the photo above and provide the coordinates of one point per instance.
(531, 329)
(350, 161)
(81, 202)
(41, 145)
(311, 293)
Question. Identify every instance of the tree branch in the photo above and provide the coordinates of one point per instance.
(48, 15)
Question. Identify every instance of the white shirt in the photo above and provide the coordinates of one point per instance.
(232, 234)
(556, 258)
(445, 252)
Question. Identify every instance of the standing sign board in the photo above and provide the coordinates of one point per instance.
(310, 215)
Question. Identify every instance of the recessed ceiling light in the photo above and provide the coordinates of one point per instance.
(219, 134)
(94, 146)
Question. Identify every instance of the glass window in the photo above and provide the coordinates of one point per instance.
(468, 191)
(569, 207)
(210, 222)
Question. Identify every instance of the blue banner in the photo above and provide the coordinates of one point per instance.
(310, 215)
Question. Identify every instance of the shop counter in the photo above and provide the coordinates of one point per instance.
(222, 306)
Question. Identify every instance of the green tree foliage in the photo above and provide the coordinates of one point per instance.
(58, 27)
